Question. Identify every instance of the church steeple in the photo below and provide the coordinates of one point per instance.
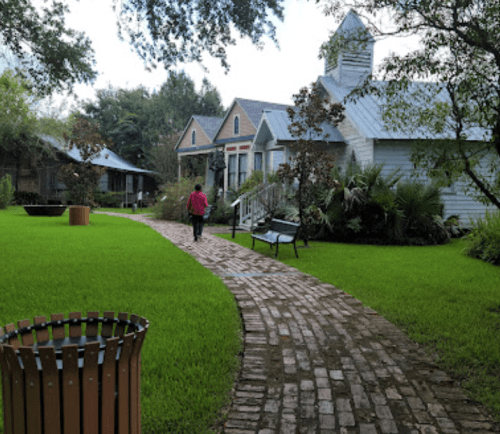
(355, 52)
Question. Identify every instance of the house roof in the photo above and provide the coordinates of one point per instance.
(105, 158)
(209, 124)
(366, 113)
(274, 125)
(254, 109)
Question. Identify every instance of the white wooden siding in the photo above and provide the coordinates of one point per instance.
(278, 158)
(397, 154)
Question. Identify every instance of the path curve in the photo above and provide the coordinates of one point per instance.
(316, 361)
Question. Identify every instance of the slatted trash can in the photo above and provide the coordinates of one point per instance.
(72, 383)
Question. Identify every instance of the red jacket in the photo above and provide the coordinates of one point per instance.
(197, 203)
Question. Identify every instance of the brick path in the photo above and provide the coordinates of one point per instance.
(316, 361)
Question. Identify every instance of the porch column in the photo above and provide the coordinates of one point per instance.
(179, 166)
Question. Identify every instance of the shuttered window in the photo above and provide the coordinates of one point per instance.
(242, 168)
(232, 171)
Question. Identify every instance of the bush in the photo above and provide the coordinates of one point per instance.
(27, 198)
(110, 199)
(6, 191)
(483, 242)
(367, 206)
(223, 214)
(173, 198)
(256, 178)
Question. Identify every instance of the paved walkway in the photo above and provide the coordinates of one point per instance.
(316, 361)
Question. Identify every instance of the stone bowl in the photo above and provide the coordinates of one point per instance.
(45, 210)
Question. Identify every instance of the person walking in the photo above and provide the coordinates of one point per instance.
(196, 205)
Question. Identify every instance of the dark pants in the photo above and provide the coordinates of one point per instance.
(197, 225)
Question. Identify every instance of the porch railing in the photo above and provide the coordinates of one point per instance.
(256, 204)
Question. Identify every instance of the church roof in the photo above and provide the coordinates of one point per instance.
(352, 26)
(366, 113)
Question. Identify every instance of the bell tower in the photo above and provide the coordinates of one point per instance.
(355, 52)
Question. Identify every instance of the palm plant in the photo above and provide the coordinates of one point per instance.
(421, 208)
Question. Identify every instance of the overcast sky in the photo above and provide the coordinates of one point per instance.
(272, 74)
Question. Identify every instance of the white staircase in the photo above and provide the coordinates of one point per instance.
(256, 204)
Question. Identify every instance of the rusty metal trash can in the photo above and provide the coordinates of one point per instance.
(67, 382)
(79, 215)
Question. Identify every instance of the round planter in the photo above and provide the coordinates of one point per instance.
(79, 215)
(45, 210)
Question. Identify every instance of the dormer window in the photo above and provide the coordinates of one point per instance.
(236, 125)
(193, 137)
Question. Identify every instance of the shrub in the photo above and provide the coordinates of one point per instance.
(27, 198)
(223, 214)
(255, 179)
(483, 242)
(367, 206)
(110, 199)
(173, 198)
(6, 191)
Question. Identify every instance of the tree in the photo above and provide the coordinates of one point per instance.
(82, 178)
(18, 139)
(173, 31)
(311, 167)
(49, 55)
(460, 52)
(123, 116)
(16, 116)
(137, 121)
(163, 159)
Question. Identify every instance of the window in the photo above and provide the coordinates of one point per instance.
(257, 161)
(232, 171)
(242, 168)
(193, 137)
(236, 125)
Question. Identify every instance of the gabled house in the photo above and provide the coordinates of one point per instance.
(41, 175)
(273, 140)
(254, 134)
(197, 141)
(234, 136)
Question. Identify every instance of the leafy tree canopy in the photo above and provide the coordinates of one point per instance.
(173, 31)
(16, 117)
(460, 51)
(136, 120)
(52, 56)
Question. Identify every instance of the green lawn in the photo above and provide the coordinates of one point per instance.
(189, 357)
(441, 298)
(125, 210)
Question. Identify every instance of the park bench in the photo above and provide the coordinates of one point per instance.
(280, 231)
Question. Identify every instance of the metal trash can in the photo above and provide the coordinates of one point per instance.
(70, 383)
